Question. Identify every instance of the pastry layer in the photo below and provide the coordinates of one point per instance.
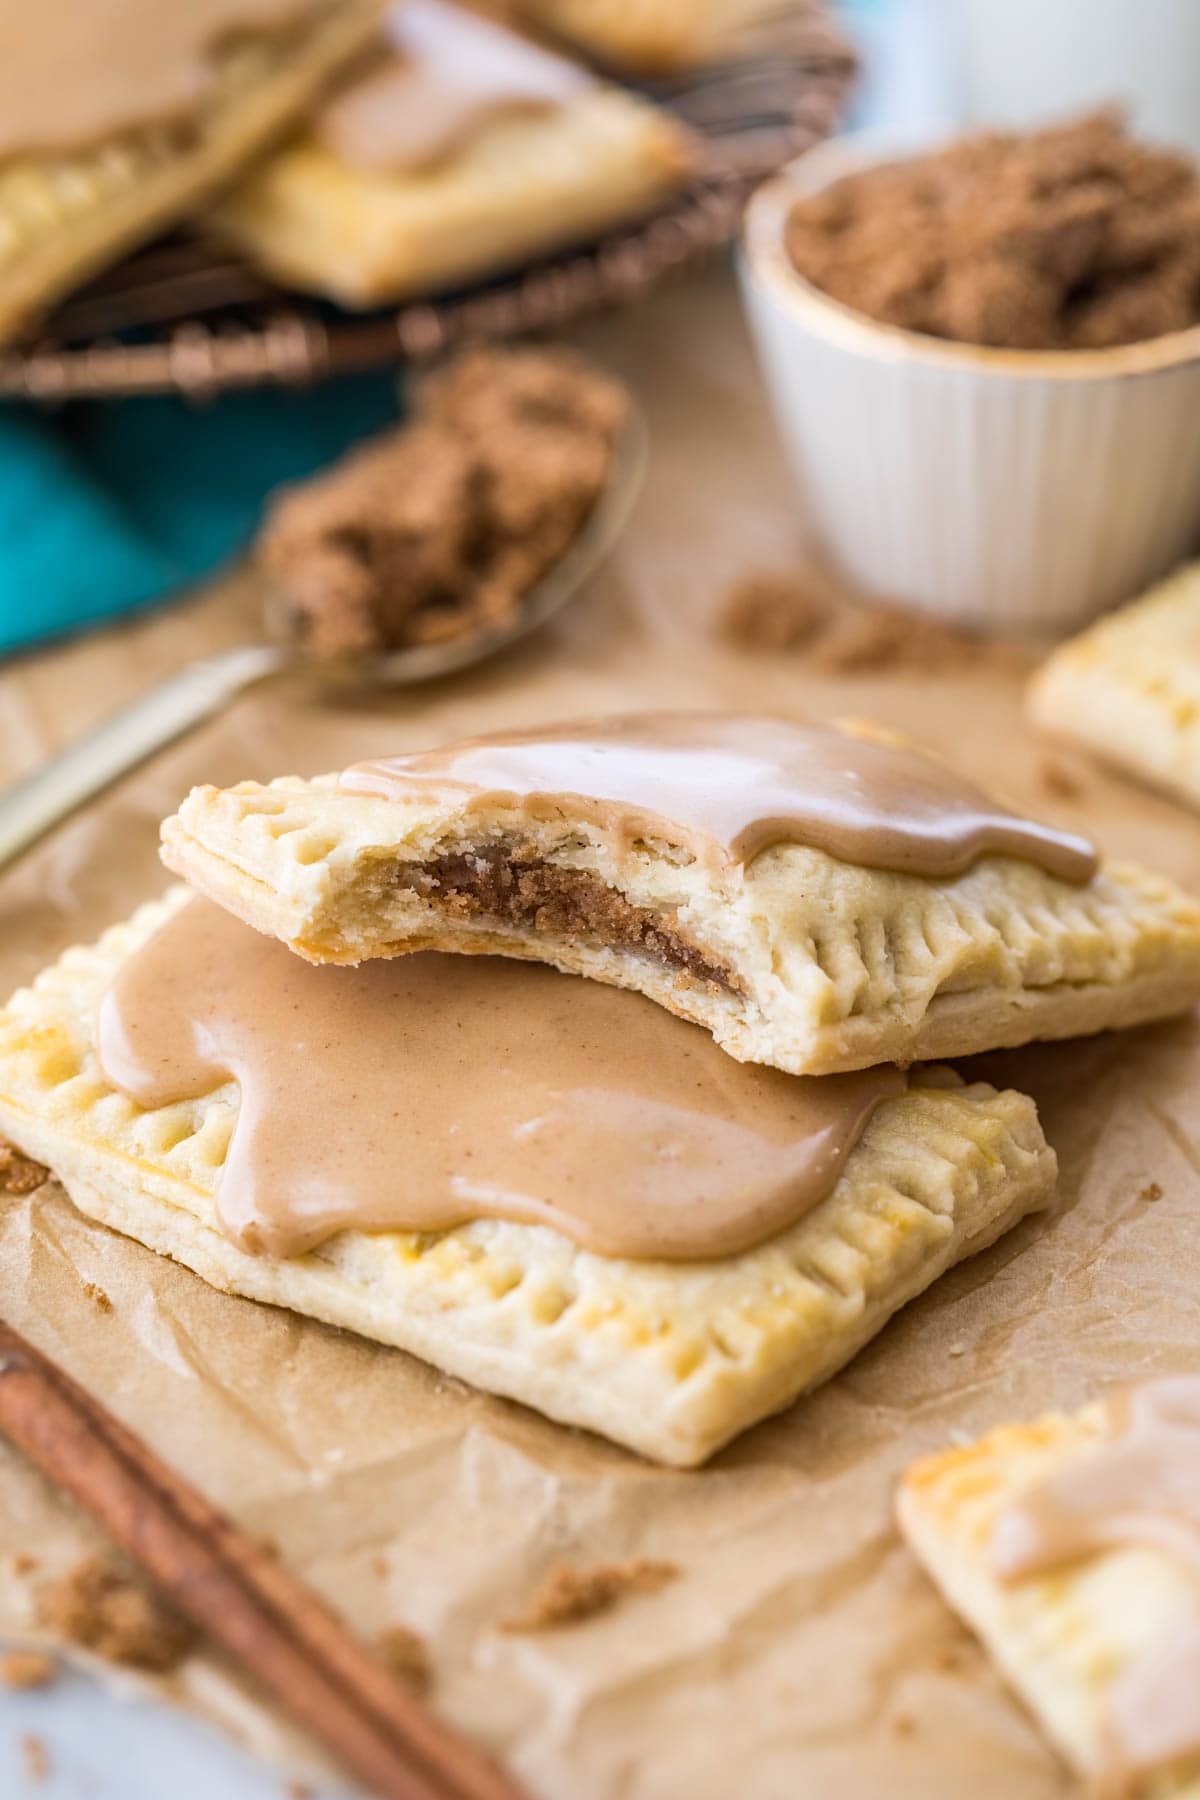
(797, 959)
(1060, 1639)
(1129, 688)
(672, 1360)
(654, 36)
(522, 185)
(62, 218)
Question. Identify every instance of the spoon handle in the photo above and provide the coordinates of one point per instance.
(43, 799)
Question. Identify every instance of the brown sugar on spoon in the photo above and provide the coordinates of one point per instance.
(441, 528)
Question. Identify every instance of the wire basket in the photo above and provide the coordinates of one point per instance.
(186, 316)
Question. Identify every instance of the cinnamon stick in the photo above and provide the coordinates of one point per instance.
(237, 1592)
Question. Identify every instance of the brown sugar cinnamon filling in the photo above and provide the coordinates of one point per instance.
(516, 888)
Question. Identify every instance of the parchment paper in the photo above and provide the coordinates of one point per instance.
(801, 1651)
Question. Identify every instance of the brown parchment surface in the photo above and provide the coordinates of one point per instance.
(800, 1651)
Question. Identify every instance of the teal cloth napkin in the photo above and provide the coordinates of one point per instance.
(106, 506)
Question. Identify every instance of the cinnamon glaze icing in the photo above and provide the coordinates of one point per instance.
(74, 75)
(728, 787)
(419, 1093)
(1140, 1487)
(448, 72)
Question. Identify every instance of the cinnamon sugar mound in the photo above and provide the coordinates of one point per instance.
(25, 1669)
(806, 611)
(101, 1606)
(1077, 236)
(441, 528)
(19, 1174)
(405, 1654)
(568, 1596)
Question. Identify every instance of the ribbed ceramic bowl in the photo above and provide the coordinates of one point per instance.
(1013, 490)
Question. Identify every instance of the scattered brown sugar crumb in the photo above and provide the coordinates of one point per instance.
(871, 639)
(24, 1669)
(19, 1174)
(103, 1607)
(406, 1656)
(808, 611)
(36, 1758)
(22, 1563)
(440, 529)
(772, 610)
(568, 1596)
(1150, 1193)
(1060, 781)
(98, 1297)
(1077, 236)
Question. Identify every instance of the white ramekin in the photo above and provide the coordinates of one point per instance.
(1006, 488)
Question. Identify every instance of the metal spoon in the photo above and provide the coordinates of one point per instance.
(35, 805)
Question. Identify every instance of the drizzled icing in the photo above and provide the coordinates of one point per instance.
(729, 787)
(1141, 1486)
(418, 1093)
(445, 73)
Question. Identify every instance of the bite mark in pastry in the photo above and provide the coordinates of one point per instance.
(93, 182)
(787, 951)
(1128, 688)
(506, 152)
(1072, 1547)
(672, 1359)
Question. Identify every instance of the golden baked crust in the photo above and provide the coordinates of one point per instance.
(62, 218)
(522, 185)
(1060, 1639)
(799, 960)
(1129, 688)
(670, 1359)
(653, 36)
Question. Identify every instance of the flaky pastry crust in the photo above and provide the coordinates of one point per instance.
(1128, 689)
(654, 36)
(82, 212)
(521, 186)
(670, 1359)
(1062, 1638)
(798, 960)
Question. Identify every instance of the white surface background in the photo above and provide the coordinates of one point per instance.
(102, 1747)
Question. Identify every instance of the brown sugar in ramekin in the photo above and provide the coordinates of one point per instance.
(1075, 237)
